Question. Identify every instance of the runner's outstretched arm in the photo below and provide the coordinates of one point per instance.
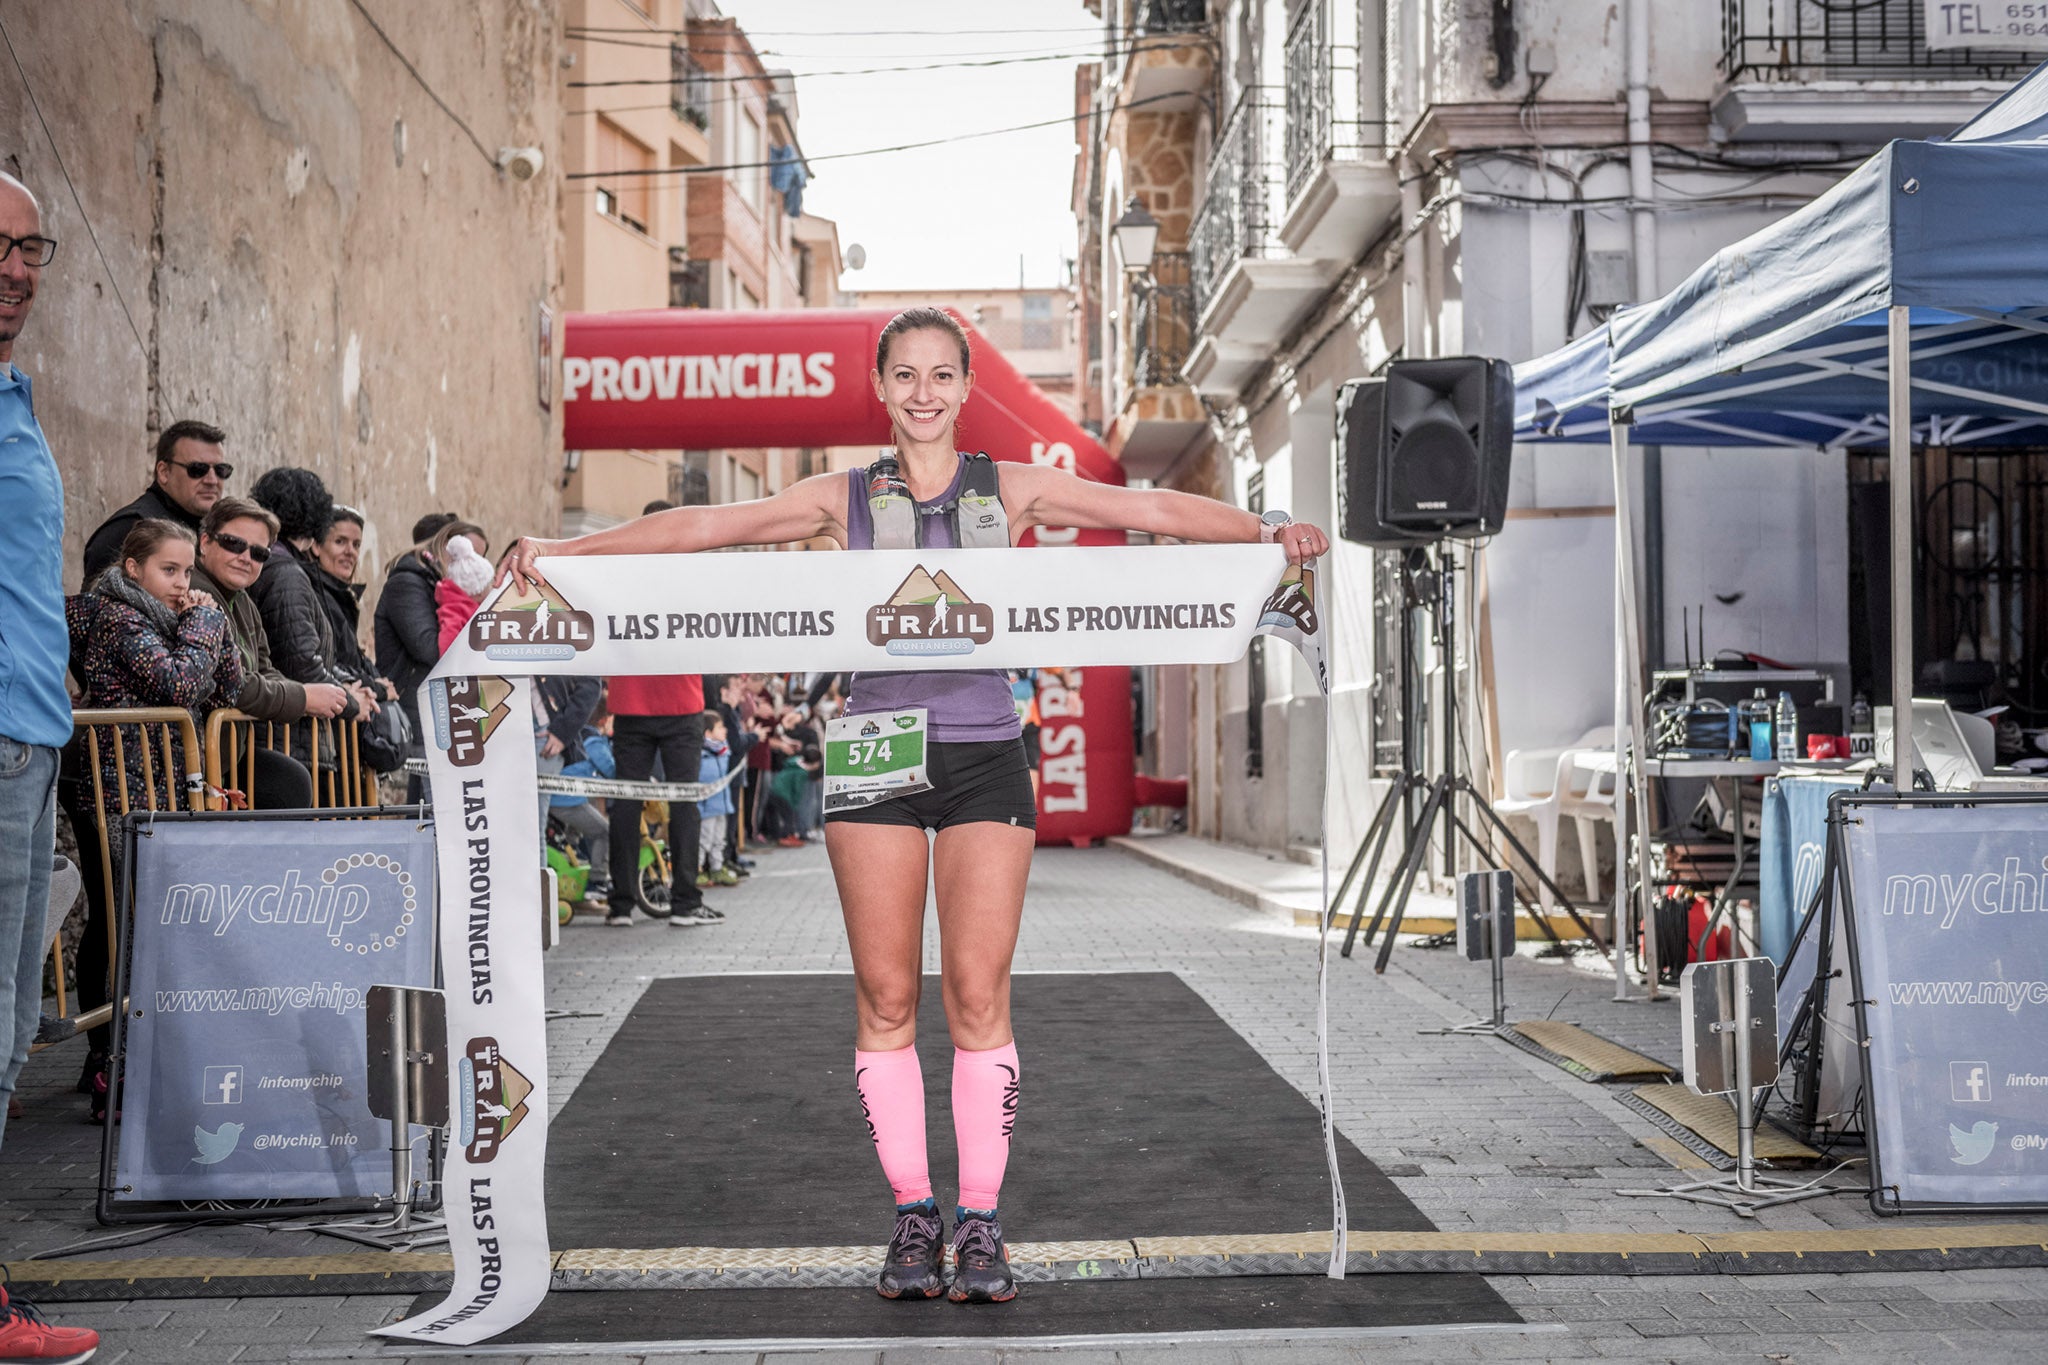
(1039, 495)
(812, 507)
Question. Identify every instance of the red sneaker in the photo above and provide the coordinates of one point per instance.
(791, 841)
(25, 1339)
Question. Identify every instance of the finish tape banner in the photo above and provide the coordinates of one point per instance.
(1948, 928)
(622, 615)
(256, 943)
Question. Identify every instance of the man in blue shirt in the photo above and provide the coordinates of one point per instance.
(35, 713)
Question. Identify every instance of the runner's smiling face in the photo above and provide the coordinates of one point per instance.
(924, 387)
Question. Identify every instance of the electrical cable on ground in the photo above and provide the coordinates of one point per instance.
(79, 203)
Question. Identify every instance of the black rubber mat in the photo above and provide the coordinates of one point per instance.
(723, 1113)
(1100, 1308)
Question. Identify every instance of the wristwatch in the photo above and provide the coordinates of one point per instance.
(1271, 524)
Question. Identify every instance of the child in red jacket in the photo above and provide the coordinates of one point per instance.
(465, 578)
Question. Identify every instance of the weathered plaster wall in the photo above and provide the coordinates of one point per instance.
(314, 255)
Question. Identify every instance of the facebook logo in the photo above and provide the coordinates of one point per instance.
(1969, 1082)
(221, 1085)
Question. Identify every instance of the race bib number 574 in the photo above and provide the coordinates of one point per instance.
(874, 757)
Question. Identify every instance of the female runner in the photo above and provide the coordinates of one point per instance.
(980, 801)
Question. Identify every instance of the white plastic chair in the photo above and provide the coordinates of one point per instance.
(1531, 780)
(1588, 798)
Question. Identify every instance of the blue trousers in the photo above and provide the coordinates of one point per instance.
(28, 815)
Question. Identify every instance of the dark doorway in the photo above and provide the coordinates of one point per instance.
(1980, 578)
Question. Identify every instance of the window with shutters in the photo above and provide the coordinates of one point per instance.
(623, 191)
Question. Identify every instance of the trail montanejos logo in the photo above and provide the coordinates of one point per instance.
(538, 625)
(495, 1099)
(466, 712)
(1293, 602)
(929, 614)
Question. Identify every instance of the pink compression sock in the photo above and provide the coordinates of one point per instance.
(984, 1112)
(892, 1096)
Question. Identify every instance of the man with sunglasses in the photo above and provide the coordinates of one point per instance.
(35, 713)
(190, 477)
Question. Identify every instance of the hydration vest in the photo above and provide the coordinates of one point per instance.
(976, 513)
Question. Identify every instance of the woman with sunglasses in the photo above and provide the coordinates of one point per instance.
(234, 545)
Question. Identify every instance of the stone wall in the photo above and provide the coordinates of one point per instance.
(288, 237)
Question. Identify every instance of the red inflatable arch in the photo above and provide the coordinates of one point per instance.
(670, 379)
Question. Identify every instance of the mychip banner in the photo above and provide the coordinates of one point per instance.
(1948, 927)
(727, 613)
(255, 944)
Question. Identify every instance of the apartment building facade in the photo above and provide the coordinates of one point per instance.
(675, 137)
(1340, 183)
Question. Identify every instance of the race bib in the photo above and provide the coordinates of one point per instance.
(873, 758)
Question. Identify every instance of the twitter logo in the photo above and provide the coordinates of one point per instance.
(216, 1146)
(1971, 1147)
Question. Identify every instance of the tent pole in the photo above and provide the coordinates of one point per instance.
(1898, 380)
(1628, 755)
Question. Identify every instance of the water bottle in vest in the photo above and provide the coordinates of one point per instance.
(1785, 729)
(890, 508)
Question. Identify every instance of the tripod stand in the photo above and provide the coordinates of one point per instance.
(1433, 587)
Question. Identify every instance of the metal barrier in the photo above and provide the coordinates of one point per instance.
(167, 747)
(331, 751)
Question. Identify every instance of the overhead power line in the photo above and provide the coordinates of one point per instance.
(780, 54)
(883, 70)
(836, 32)
(843, 156)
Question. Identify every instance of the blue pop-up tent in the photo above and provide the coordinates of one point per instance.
(1908, 302)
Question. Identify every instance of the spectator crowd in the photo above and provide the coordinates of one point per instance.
(198, 597)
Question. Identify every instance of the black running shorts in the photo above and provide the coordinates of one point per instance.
(970, 782)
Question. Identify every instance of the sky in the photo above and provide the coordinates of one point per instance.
(950, 217)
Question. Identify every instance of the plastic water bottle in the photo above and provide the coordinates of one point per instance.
(1862, 729)
(892, 513)
(1785, 729)
(1756, 717)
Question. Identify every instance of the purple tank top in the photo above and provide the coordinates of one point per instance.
(963, 706)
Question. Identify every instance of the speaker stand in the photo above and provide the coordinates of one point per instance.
(1444, 792)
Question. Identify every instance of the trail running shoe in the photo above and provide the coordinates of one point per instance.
(981, 1263)
(917, 1250)
(26, 1337)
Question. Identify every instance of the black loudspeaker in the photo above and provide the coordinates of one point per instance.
(1361, 408)
(1447, 427)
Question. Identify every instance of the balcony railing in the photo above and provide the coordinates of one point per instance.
(1170, 16)
(1802, 40)
(1162, 322)
(689, 88)
(1316, 130)
(1235, 219)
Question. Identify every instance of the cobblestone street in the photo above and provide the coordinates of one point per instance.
(1478, 1134)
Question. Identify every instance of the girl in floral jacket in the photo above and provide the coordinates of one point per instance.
(141, 636)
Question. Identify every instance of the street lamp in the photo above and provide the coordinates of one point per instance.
(1136, 233)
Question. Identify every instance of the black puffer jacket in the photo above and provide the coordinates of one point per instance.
(407, 627)
(343, 604)
(301, 638)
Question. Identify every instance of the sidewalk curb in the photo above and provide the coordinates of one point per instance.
(1243, 893)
